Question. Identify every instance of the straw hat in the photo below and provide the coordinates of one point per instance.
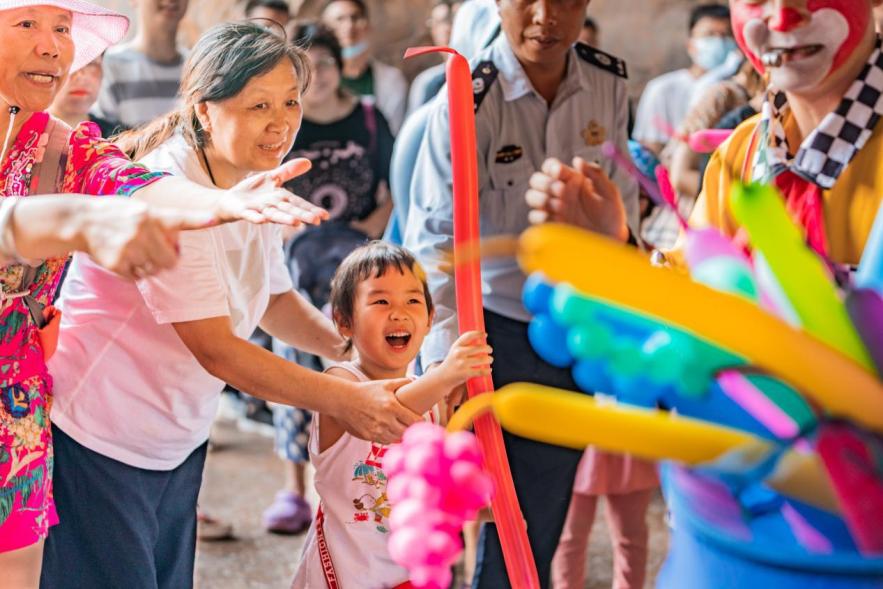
(94, 28)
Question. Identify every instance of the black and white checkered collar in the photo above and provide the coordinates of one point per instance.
(829, 149)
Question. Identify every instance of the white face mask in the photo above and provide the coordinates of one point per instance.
(354, 51)
(711, 52)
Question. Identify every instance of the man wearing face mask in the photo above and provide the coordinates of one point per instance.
(666, 99)
(362, 74)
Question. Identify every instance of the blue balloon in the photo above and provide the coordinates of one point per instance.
(537, 294)
(638, 391)
(548, 339)
(591, 376)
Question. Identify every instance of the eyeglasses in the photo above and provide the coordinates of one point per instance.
(324, 64)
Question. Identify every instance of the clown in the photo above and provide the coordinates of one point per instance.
(818, 137)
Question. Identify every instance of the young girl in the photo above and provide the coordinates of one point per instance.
(381, 305)
(350, 145)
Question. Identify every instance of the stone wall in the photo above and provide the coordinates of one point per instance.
(648, 34)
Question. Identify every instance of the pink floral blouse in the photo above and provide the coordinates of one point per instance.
(95, 166)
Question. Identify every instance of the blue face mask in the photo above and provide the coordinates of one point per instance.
(354, 51)
(711, 52)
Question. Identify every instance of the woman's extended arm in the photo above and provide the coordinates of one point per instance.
(367, 410)
(259, 198)
(294, 320)
(123, 235)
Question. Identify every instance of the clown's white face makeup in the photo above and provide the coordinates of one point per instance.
(800, 58)
(806, 46)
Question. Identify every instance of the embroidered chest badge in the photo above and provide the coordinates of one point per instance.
(509, 154)
(594, 134)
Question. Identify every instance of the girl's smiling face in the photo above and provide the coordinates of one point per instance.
(390, 319)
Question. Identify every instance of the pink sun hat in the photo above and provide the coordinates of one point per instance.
(93, 28)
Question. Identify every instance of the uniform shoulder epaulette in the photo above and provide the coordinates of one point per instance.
(605, 61)
(483, 77)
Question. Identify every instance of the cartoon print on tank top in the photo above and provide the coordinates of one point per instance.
(373, 504)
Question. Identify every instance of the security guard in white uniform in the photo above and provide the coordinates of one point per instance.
(525, 113)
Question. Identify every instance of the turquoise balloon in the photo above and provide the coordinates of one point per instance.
(870, 269)
(727, 275)
(665, 362)
(626, 360)
(589, 341)
(568, 307)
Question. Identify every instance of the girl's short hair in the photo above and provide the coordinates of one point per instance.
(370, 261)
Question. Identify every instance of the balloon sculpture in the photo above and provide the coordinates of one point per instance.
(436, 484)
(800, 503)
(773, 454)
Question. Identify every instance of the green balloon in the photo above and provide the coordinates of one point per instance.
(589, 341)
(798, 270)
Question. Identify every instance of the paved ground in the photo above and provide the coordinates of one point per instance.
(241, 477)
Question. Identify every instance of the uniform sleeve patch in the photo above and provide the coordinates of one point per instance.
(483, 77)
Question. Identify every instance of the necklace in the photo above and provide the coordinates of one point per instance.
(208, 168)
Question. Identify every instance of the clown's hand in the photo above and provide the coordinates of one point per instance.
(580, 195)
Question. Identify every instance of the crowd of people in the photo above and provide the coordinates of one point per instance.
(277, 220)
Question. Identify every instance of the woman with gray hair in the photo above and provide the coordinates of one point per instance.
(43, 42)
(140, 367)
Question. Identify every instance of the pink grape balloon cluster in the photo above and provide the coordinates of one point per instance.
(435, 484)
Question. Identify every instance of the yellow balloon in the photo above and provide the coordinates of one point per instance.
(575, 420)
(607, 270)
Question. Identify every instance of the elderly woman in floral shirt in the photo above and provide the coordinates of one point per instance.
(43, 41)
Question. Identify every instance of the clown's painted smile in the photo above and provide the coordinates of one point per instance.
(799, 46)
(802, 57)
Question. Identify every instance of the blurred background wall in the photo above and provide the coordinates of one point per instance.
(648, 34)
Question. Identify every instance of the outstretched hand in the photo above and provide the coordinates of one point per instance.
(581, 195)
(261, 199)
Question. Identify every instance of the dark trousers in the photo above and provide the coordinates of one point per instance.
(543, 474)
(121, 526)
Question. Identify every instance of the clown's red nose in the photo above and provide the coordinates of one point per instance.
(786, 20)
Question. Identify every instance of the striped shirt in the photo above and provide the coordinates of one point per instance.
(136, 90)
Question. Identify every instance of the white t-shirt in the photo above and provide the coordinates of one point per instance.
(666, 98)
(125, 384)
(352, 490)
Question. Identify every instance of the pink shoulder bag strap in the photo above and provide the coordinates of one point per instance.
(47, 177)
